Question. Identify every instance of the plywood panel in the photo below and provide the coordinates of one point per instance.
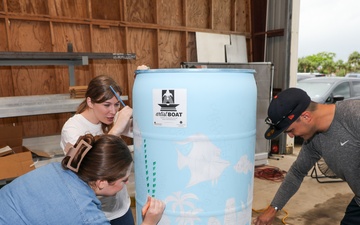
(171, 12)
(198, 13)
(222, 15)
(171, 49)
(110, 40)
(28, 6)
(191, 48)
(144, 44)
(105, 10)
(33, 80)
(6, 82)
(40, 125)
(242, 16)
(69, 8)
(3, 39)
(161, 33)
(141, 11)
(79, 36)
(29, 36)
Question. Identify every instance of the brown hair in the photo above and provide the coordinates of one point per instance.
(108, 159)
(99, 91)
(312, 106)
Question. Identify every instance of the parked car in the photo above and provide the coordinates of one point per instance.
(331, 89)
(302, 76)
(356, 75)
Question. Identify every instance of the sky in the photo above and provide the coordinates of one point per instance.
(329, 26)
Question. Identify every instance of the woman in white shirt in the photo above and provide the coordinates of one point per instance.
(99, 114)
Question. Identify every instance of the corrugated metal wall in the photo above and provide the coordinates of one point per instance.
(278, 46)
(277, 50)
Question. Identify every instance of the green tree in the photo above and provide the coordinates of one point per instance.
(354, 61)
(303, 64)
(322, 62)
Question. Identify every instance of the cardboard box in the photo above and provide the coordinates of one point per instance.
(21, 161)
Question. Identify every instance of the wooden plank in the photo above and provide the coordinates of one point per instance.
(28, 7)
(222, 15)
(108, 40)
(171, 47)
(191, 47)
(243, 16)
(198, 13)
(105, 10)
(143, 44)
(140, 11)
(68, 8)
(171, 12)
(24, 32)
(3, 38)
(78, 36)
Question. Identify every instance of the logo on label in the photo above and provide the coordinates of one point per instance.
(168, 99)
(343, 143)
(170, 107)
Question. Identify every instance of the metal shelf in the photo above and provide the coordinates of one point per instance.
(70, 59)
(39, 104)
(48, 104)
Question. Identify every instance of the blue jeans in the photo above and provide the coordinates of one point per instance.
(352, 214)
(126, 219)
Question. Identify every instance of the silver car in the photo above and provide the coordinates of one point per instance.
(331, 89)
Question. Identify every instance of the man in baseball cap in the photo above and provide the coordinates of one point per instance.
(284, 109)
(330, 131)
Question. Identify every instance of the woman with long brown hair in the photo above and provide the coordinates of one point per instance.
(100, 113)
(66, 192)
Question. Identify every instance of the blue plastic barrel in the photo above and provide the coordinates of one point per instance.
(194, 144)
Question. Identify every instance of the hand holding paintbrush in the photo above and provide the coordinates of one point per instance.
(123, 122)
(152, 211)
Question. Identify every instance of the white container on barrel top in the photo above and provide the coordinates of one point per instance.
(194, 144)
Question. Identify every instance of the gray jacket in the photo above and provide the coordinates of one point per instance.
(340, 148)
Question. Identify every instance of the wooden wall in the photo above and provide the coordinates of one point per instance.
(160, 32)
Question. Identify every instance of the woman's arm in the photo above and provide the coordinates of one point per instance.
(152, 211)
(122, 122)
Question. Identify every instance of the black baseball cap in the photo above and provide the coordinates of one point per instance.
(284, 109)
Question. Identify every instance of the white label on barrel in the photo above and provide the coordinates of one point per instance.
(170, 107)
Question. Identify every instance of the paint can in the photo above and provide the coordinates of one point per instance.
(194, 143)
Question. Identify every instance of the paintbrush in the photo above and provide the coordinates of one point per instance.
(117, 96)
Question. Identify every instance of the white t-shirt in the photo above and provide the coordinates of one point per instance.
(76, 126)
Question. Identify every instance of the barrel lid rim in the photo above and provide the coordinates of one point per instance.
(199, 70)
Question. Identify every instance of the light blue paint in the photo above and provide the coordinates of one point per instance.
(200, 159)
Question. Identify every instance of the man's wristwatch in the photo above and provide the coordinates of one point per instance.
(275, 207)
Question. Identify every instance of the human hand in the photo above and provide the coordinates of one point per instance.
(128, 131)
(267, 217)
(152, 211)
(123, 121)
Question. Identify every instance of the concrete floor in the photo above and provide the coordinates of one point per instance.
(315, 203)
